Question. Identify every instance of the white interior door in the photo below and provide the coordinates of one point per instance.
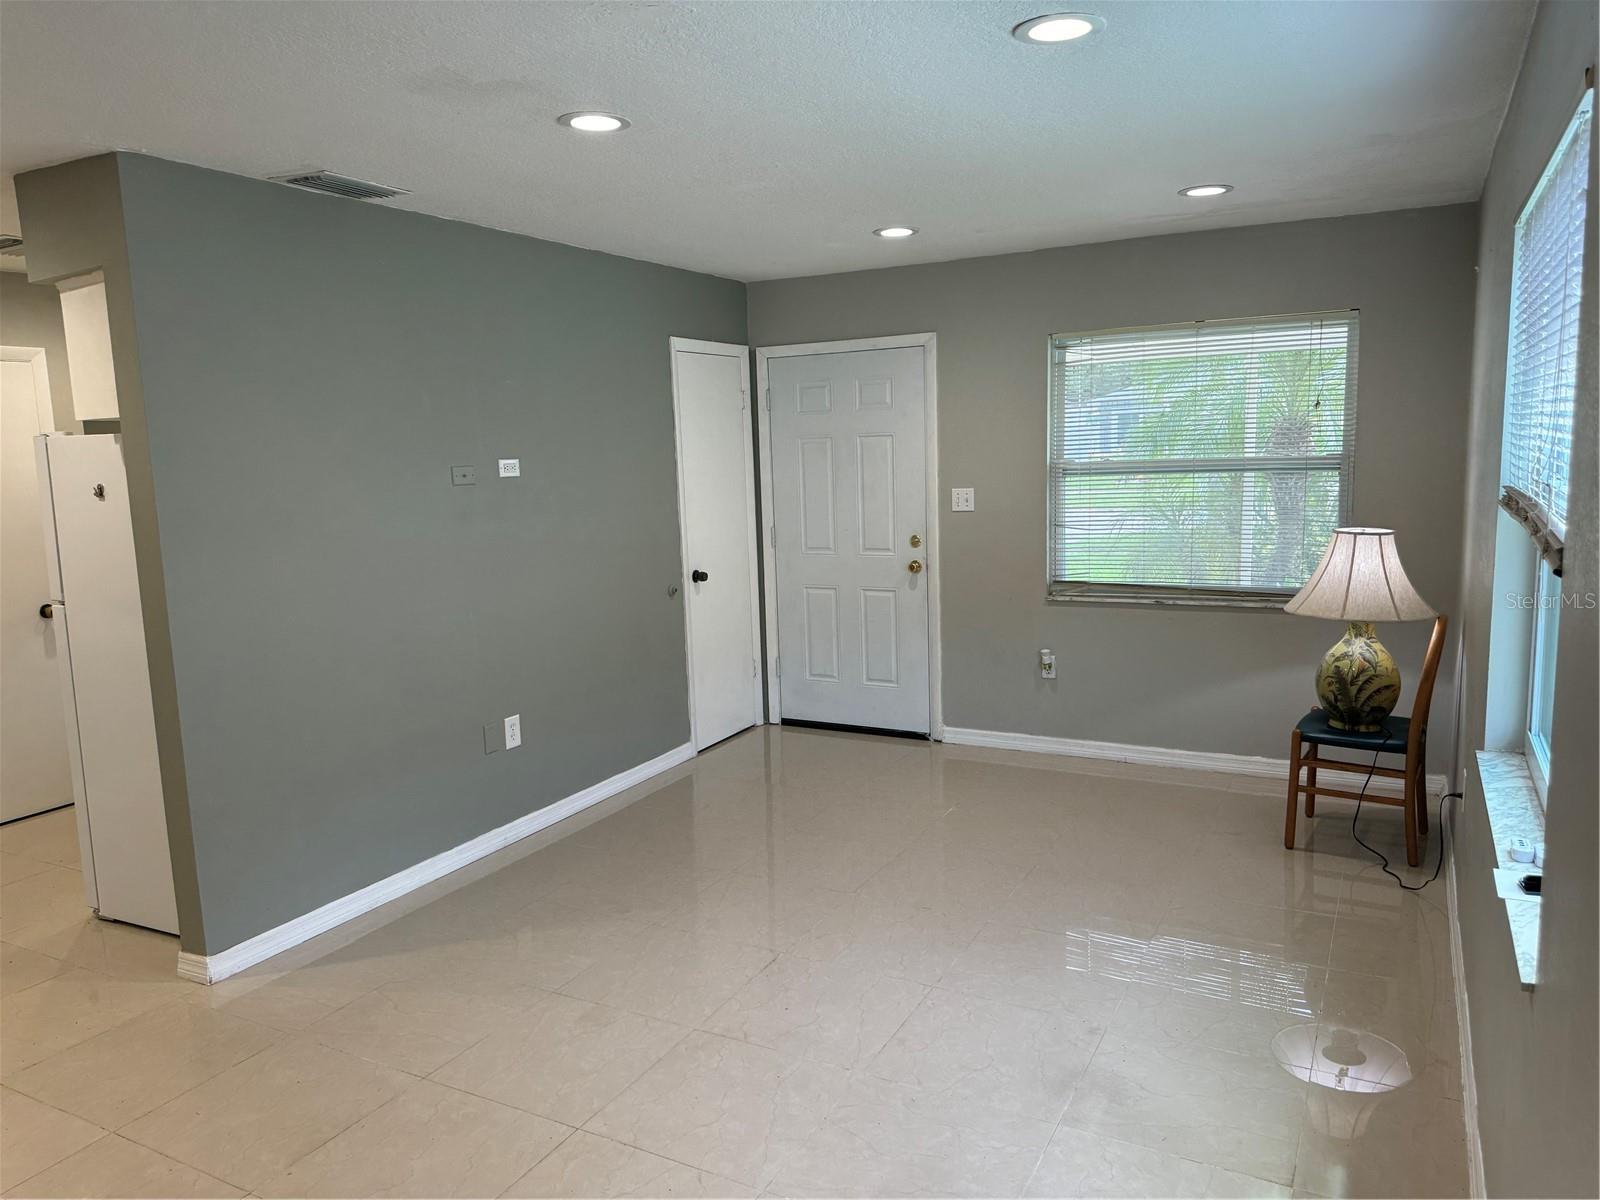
(849, 479)
(716, 499)
(33, 760)
(104, 626)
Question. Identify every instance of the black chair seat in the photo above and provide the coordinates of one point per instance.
(1391, 738)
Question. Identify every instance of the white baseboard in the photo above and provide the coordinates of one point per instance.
(1154, 756)
(1476, 1182)
(209, 968)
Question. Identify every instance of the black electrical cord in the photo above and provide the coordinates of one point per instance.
(1423, 799)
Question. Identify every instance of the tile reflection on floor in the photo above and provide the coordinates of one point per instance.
(805, 963)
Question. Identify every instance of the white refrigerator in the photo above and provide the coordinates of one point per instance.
(111, 733)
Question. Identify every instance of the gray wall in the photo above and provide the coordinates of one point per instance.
(30, 315)
(1216, 680)
(1535, 1052)
(342, 620)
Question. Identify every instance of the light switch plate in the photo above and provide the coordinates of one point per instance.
(510, 468)
(494, 737)
(513, 731)
(963, 500)
(463, 476)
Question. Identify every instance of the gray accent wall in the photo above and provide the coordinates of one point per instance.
(30, 315)
(1214, 679)
(1535, 1051)
(343, 622)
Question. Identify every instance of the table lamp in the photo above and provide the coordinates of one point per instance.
(1359, 580)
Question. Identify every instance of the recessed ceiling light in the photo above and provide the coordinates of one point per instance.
(895, 231)
(593, 122)
(1202, 190)
(1058, 27)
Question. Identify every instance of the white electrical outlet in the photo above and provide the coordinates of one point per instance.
(963, 500)
(510, 468)
(513, 731)
(1047, 664)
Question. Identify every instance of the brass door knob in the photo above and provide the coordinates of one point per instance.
(915, 566)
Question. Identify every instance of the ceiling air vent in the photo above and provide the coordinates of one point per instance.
(10, 243)
(340, 185)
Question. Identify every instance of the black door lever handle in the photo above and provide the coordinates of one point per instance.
(698, 576)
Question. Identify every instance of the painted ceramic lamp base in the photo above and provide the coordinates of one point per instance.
(1358, 682)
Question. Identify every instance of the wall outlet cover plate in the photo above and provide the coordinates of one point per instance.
(510, 468)
(463, 476)
(513, 726)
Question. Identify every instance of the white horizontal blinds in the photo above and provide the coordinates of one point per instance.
(1542, 358)
(1201, 458)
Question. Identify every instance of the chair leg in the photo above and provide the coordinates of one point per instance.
(1412, 855)
(1311, 782)
(1294, 790)
(1422, 798)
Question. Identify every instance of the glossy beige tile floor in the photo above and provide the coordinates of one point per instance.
(805, 964)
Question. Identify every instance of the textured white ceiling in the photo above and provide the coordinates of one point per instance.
(770, 138)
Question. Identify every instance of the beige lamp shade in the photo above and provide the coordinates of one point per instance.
(1360, 579)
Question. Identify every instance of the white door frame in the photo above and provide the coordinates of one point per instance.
(929, 344)
(742, 353)
(35, 357)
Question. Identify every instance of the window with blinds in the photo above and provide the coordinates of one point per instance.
(1542, 354)
(1541, 384)
(1203, 463)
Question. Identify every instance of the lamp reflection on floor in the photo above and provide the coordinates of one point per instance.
(1351, 1072)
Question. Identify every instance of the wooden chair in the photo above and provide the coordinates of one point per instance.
(1400, 735)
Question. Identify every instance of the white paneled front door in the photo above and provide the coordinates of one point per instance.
(849, 478)
(716, 504)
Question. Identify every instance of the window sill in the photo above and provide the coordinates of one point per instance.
(1159, 598)
(1514, 811)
